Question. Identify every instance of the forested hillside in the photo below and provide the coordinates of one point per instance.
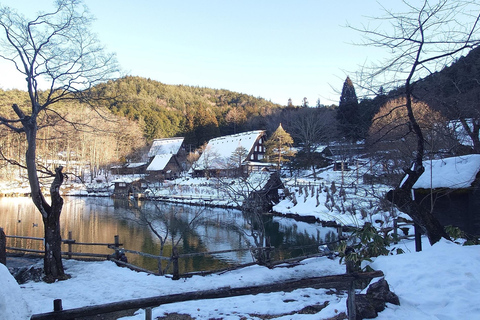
(196, 113)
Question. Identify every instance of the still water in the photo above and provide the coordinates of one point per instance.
(144, 226)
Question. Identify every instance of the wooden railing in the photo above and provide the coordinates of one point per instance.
(342, 282)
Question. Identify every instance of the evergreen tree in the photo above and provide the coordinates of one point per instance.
(279, 147)
(348, 114)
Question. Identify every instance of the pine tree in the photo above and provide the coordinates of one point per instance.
(279, 147)
(348, 115)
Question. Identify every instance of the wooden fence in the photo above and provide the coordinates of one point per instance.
(342, 282)
(118, 252)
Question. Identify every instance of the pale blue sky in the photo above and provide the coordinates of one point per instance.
(273, 49)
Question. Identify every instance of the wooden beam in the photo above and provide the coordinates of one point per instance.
(335, 281)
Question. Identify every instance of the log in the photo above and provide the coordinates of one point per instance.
(333, 281)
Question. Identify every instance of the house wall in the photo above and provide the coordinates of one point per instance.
(460, 208)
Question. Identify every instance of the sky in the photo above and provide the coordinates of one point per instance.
(271, 49)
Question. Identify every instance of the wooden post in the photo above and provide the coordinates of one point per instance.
(395, 231)
(70, 245)
(339, 232)
(351, 306)
(116, 245)
(57, 305)
(418, 238)
(3, 247)
(176, 272)
(148, 313)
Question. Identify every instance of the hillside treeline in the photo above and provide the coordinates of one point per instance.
(198, 114)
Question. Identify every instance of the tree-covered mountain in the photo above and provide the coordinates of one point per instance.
(196, 113)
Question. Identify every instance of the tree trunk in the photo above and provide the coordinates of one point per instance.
(402, 196)
(53, 266)
(422, 217)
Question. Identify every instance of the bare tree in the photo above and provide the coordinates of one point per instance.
(60, 60)
(423, 38)
(310, 128)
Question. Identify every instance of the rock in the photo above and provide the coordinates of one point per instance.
(378, 294)
(23, 275)
(381, 290)
(365, 309)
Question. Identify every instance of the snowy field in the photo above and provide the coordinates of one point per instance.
(439, 283)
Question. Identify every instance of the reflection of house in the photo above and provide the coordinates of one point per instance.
(452, 185)
(129, 187)
(233, 154)
(166, 156)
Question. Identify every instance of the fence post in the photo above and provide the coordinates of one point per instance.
(148, 313)
(116, 245)
(176, 272)
(351, 307)
(3, 247)
(57, 305)
(395, 231)
(418, 238)
(70, 244)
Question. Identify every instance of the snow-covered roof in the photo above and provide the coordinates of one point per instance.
(159, 162)
(165, 146)
(219, 150)
(134, 164)
(452, 173)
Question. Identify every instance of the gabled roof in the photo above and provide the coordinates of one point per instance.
(165, 146)
(453, 173)
(219, 150)
(159, 162)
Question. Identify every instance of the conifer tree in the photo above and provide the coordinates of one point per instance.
(279, 147)
(348, 114)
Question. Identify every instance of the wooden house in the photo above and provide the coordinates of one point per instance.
(451, 186)
(130, 168)
(127, 187)
(232, 155)
(166, 158)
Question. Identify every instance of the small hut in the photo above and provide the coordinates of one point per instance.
(451, 187)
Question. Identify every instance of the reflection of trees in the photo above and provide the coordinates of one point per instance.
(168, 224)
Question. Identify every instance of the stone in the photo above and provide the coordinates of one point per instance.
(378, 294)
(381, 290)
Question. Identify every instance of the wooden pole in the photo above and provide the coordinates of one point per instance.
(351, 307)
(176, 272)
(148, 313)
(70, 245)
(395, 231)
(3, 247)
(418, 238)
(57, 305)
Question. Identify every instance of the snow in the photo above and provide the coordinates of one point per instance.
(440, 283)
(159, 162)
(453, 173)
(165, 146)
(219, 150)
(12, 303)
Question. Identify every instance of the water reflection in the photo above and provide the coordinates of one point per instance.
(155, 228)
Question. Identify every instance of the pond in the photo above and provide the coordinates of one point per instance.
(144, 226)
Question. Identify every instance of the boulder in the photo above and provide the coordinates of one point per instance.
(374, 301)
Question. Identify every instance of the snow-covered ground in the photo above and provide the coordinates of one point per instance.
(442, 282)
(439, 283)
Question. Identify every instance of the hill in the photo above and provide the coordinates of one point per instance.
(171, 110)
